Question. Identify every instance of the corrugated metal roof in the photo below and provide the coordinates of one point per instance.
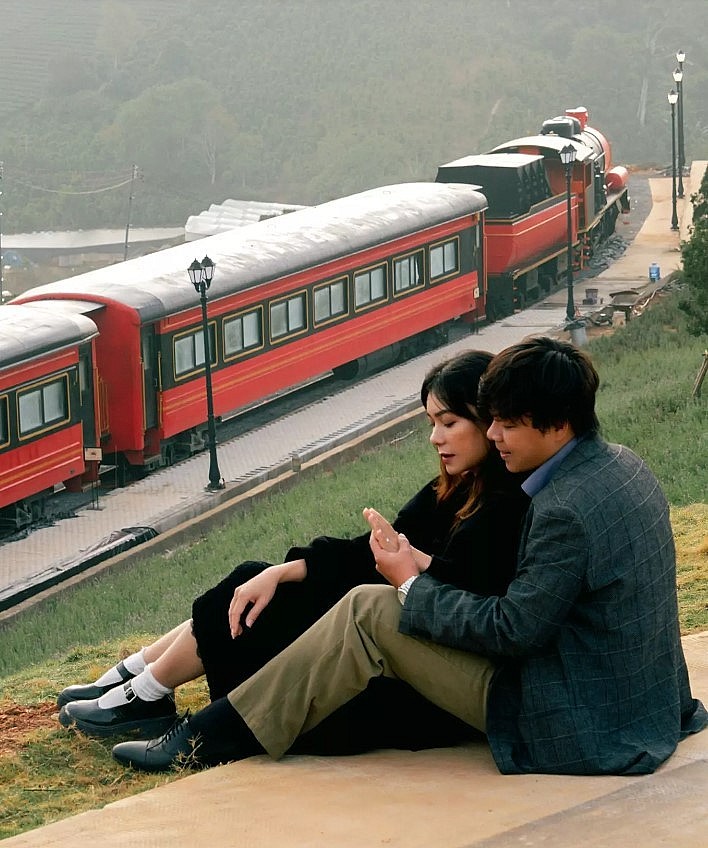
(220, 217)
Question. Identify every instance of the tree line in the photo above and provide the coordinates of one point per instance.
(301, 102)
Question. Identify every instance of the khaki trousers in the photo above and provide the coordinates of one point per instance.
(334, 660)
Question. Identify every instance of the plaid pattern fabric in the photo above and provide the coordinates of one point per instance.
(592, 677)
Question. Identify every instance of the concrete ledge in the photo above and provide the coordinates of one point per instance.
(428, 799)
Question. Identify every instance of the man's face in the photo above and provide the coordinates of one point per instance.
(522, 446)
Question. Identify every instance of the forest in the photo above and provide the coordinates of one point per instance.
(299, 101)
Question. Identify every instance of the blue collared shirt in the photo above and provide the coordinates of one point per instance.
(533, 484)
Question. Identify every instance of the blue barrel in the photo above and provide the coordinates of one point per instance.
(654, 272)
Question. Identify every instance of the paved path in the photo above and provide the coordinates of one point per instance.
(446, 797)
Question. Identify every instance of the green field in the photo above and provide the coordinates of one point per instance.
(647, 371)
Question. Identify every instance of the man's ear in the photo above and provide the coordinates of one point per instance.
(562, 433)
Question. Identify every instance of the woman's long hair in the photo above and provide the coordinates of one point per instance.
(454, 384)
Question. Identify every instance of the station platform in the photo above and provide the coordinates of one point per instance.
(445, 797)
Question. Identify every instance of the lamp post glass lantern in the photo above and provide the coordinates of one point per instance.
(201, 275)
(673, 97)
(567, 157)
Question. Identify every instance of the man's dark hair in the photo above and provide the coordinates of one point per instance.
(546, 380)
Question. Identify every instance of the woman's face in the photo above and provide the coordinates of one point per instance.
(461, 444)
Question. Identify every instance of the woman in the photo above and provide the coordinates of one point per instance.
(464, 528)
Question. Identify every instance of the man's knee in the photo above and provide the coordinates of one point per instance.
(373, 602)
(373, 608)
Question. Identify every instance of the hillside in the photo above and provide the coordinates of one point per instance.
(300, 102)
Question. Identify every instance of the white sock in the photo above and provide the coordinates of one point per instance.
(147, 687)
(135, 663)
(115, 697)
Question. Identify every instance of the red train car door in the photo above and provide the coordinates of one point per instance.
(86, 396)
(150, 376)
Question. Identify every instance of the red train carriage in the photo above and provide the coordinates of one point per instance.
(292, 298)
(46, 405)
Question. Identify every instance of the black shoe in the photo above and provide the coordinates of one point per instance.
(90, 691)
(137, 716)
(178, 747)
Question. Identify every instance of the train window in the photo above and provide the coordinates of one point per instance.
(331, 301)
(370, 286)
(287, 316)
(42, 406)
(189, 351)
(4, 422)
(243, 332)
(408, 272)
(443, 259)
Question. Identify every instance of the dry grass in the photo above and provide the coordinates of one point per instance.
(690, 525)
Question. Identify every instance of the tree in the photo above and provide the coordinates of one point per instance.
(695, 265)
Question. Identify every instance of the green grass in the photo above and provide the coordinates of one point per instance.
(155, 594)
(647, 371)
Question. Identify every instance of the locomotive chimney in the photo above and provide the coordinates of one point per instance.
(581, 113)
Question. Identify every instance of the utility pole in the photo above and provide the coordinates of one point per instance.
(130, 207)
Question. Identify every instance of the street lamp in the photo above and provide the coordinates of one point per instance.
(567, 157)
(673, 97)
(681, 58)
(678, 77)
(201, 275)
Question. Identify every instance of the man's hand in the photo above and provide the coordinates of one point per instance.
(396, 566)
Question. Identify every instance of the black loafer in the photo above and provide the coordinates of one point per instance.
(90, 691)
(137, 716)
(178, 747)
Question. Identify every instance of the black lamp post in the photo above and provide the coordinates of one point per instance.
(673, 97)
(678, 77)
(681, 58)
(201, 275)
(567, 156)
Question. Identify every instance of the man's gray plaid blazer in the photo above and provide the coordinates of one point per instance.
(592, 677)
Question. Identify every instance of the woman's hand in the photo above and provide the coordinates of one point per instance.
(387, 536)
(259, 591)
(396, 566)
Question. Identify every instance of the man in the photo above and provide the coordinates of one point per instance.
(578, 669)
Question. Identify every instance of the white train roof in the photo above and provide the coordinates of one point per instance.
(157, 284)
(30, 330)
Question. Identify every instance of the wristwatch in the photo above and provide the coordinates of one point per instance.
(404, 587)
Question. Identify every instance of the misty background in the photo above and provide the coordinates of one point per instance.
(299, 101)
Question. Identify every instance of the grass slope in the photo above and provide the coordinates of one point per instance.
(647, 371)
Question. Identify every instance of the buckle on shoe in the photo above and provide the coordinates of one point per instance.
(129, 694)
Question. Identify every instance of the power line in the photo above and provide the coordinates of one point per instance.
(74, 193)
